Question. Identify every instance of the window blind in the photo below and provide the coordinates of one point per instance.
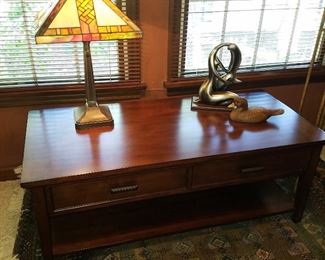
(272, 34)
(25, 64)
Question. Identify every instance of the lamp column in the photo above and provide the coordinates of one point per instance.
(89, 76)
(91, 114)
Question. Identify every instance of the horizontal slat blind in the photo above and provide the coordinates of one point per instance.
(23, 63)
(272, 34)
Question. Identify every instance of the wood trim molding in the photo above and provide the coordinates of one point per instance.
(7, 174)
(176, 42)
(253, 80)
(68, 94)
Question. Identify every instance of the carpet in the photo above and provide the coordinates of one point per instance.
(11, 197)
(274, 237)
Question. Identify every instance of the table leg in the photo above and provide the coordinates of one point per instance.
(43, 222)
(304, 184)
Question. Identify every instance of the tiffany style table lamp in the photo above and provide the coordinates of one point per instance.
(85, 21)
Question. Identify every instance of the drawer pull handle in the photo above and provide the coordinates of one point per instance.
(124, 189)
(252, 169)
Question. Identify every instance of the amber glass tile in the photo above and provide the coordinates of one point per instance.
(50, 32)
(76, 31)
(114, 28)
(64, 31)
(102, 29)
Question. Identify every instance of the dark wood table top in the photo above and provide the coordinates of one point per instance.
(151, 133)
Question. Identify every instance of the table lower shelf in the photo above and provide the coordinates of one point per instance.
(134, 221)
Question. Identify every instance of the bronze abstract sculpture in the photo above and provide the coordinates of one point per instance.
(214, 90)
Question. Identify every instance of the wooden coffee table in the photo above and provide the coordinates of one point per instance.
(162, 168)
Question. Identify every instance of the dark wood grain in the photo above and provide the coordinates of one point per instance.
(162, 168)
(162, 216)
(149, 134)
(68, 94)
(250, 80)
(304, 185)
(43, 221)
(101, 190)
(246, 168)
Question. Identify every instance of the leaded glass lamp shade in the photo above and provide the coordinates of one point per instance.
(85, 21)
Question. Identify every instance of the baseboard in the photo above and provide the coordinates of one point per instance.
(7, 174)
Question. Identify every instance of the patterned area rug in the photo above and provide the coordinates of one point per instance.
(275, 237)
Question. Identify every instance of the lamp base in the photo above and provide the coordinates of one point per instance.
(92, 116)
(196, 104)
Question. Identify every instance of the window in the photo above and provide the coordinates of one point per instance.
(272, 34)
(25, 64)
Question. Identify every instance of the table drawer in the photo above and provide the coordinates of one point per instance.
(249, 167)
(123, 187)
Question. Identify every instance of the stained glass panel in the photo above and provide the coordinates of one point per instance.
(97, 20)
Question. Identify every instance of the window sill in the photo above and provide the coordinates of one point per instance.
(26, 96)
(253, 80)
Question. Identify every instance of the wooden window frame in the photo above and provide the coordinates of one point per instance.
(252, 80)
(67, 94)
(75, 93)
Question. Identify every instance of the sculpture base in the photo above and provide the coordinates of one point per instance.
(196, 104)
(95, 116)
